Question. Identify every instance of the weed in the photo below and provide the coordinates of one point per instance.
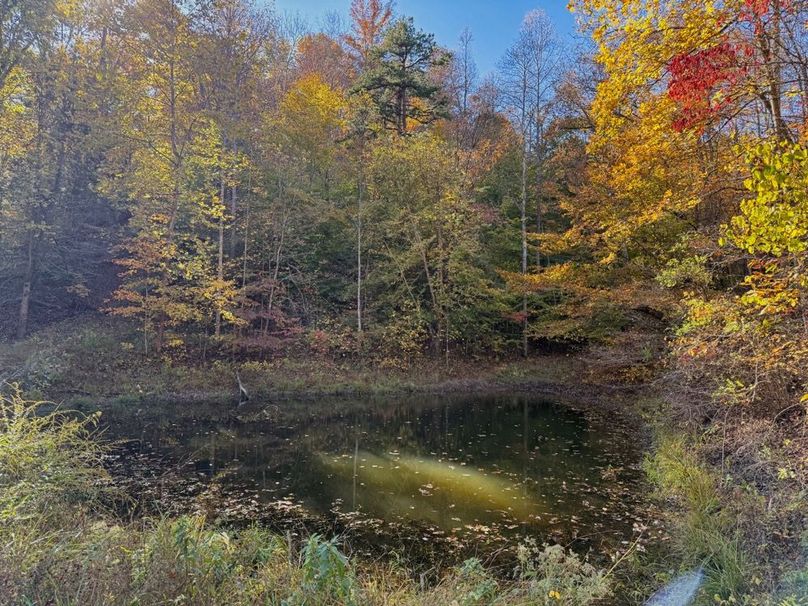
(707, 534)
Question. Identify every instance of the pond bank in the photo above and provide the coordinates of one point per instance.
(91, 362)
(291, 379)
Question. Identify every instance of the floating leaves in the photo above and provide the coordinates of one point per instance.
(438, 482)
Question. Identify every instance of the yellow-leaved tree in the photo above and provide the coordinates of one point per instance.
(172, 169)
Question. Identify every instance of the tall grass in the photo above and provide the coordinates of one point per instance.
(706, 530)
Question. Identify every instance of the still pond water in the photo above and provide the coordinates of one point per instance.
(432, 475)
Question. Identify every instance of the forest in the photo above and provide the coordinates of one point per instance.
(215, 199)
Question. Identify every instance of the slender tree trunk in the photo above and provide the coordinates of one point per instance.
(539, 217)
(539, 227)
(233, 207)
(769, 43)
(359, 208)
(404, 111)
(523, 223)
(539, 166)
(359, 262)
(220, 264)
(176, 155)
(537, 109)
(523, 200)
(277, 269)
(402, 103)
(25, 300)
(246, 238)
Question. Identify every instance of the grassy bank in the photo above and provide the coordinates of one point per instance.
(93, 360)
(750, 539)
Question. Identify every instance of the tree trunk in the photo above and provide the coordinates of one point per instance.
(233, 207)
(769, 43)
(539, 165)
(25, 300)
(523, 223)
(359, 263)
(246, 238)
(539, 217)
(277, 269)
(220, 265)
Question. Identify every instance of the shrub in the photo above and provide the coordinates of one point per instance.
(49, 462)
(475, 586)
(554, 575)
(50, 478)
(326, 575)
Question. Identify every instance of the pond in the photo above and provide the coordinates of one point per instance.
(434, 477)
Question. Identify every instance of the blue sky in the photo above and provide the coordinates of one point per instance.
(494, 24)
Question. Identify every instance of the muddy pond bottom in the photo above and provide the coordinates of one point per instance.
(433, 473)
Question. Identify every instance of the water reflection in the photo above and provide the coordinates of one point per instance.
(513, 465)
(448, 495)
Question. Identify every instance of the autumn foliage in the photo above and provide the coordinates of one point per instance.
(702, 83)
